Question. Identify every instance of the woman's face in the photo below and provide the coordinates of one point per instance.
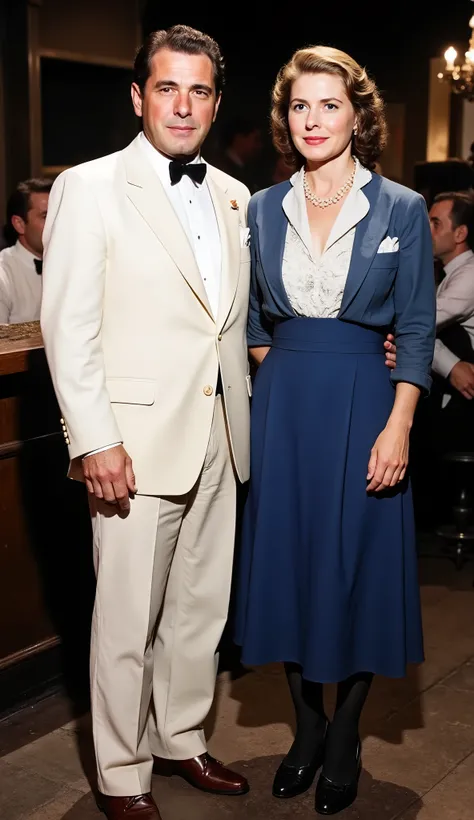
(321, 117)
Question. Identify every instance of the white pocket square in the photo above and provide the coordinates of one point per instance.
(389, 245)
(244, 236)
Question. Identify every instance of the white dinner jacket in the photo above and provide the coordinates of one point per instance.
(130, 339)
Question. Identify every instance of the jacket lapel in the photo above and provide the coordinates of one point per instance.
(272, 231)
(147, 194)
(228, 223)
(369, 234)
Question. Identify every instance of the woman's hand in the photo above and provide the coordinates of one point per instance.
(389, 457)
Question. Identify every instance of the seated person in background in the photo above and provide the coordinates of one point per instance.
(445, 420)
(21, 263)
(452, 230)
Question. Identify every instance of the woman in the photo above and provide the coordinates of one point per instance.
(341, 256)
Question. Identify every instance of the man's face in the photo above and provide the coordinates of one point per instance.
(443, 234)
(30, 231)
(179, 102)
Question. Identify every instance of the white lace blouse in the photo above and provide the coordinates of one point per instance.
(315, 286)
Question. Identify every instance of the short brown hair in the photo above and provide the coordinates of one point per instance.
(19, 203)
(462, 210)
(371, 137)
(184, 39)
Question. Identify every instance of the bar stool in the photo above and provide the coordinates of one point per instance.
(458, 534)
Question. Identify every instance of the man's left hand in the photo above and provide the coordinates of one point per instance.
(390, 351)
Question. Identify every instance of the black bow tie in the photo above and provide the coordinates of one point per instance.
(38, 266)
(195, 170)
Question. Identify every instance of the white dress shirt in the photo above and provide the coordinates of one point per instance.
(315, 285)
(454, 304)
(20, 286)
(195, 210)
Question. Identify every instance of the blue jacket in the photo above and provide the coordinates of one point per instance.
(394, 292)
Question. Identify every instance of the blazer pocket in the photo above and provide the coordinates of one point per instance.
(131, 391)
(386, 260)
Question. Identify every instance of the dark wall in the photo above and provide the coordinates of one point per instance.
(14, 56)
(106, 28)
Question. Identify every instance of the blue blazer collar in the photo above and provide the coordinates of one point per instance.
(370, 231)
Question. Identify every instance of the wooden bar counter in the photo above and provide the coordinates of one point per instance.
(46, 575)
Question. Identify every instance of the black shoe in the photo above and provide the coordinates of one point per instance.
(332, 798)
(293, 780)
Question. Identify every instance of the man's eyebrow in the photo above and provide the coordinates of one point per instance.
(173, 84)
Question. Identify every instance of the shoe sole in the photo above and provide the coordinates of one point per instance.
(289, 796)
(218, 791)
(223, 792)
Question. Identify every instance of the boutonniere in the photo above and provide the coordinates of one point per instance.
(234, 204)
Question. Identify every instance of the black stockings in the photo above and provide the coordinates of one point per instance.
(342, 739)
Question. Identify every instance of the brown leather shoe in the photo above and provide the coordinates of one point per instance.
(140, 807)
(205, 773)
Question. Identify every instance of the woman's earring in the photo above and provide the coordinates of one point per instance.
(354, 130)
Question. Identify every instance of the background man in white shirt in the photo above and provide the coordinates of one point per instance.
(445, 421)
(452, 229)
(21, 263)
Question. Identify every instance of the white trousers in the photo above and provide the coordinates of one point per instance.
(163, 587)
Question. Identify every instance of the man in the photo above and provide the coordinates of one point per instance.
(445, 421)
(452, 229)
(144, 320)
(21, 264)
(242, 146)
(144, 313)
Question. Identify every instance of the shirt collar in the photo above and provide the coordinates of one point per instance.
(353, 210)
(160, 163)
(458, 262)
(24, 254)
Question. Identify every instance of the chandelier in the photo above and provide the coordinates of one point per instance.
(461, 75)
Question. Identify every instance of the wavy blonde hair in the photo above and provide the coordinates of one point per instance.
(371, 137)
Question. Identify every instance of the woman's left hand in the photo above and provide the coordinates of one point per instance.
(388, 457)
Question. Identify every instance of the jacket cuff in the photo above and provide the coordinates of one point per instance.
(416, 377)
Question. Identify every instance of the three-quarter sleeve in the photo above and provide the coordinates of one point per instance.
(415, 300)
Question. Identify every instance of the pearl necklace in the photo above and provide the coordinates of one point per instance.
(319, 202)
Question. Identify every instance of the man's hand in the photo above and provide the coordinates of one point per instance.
(109, 476)
(390, 351)
(462, 378)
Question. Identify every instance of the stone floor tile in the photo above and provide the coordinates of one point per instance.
(423, 742)
(57, 808)
(22, 792)
(451, 799)
(462, 678)
(55, 757)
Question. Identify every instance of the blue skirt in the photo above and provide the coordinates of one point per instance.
(328, 573)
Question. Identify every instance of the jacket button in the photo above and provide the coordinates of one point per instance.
(219, 338)
(67, 440)
(62, 421)
(208, 390)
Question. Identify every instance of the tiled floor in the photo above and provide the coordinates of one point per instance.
(418, 734)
